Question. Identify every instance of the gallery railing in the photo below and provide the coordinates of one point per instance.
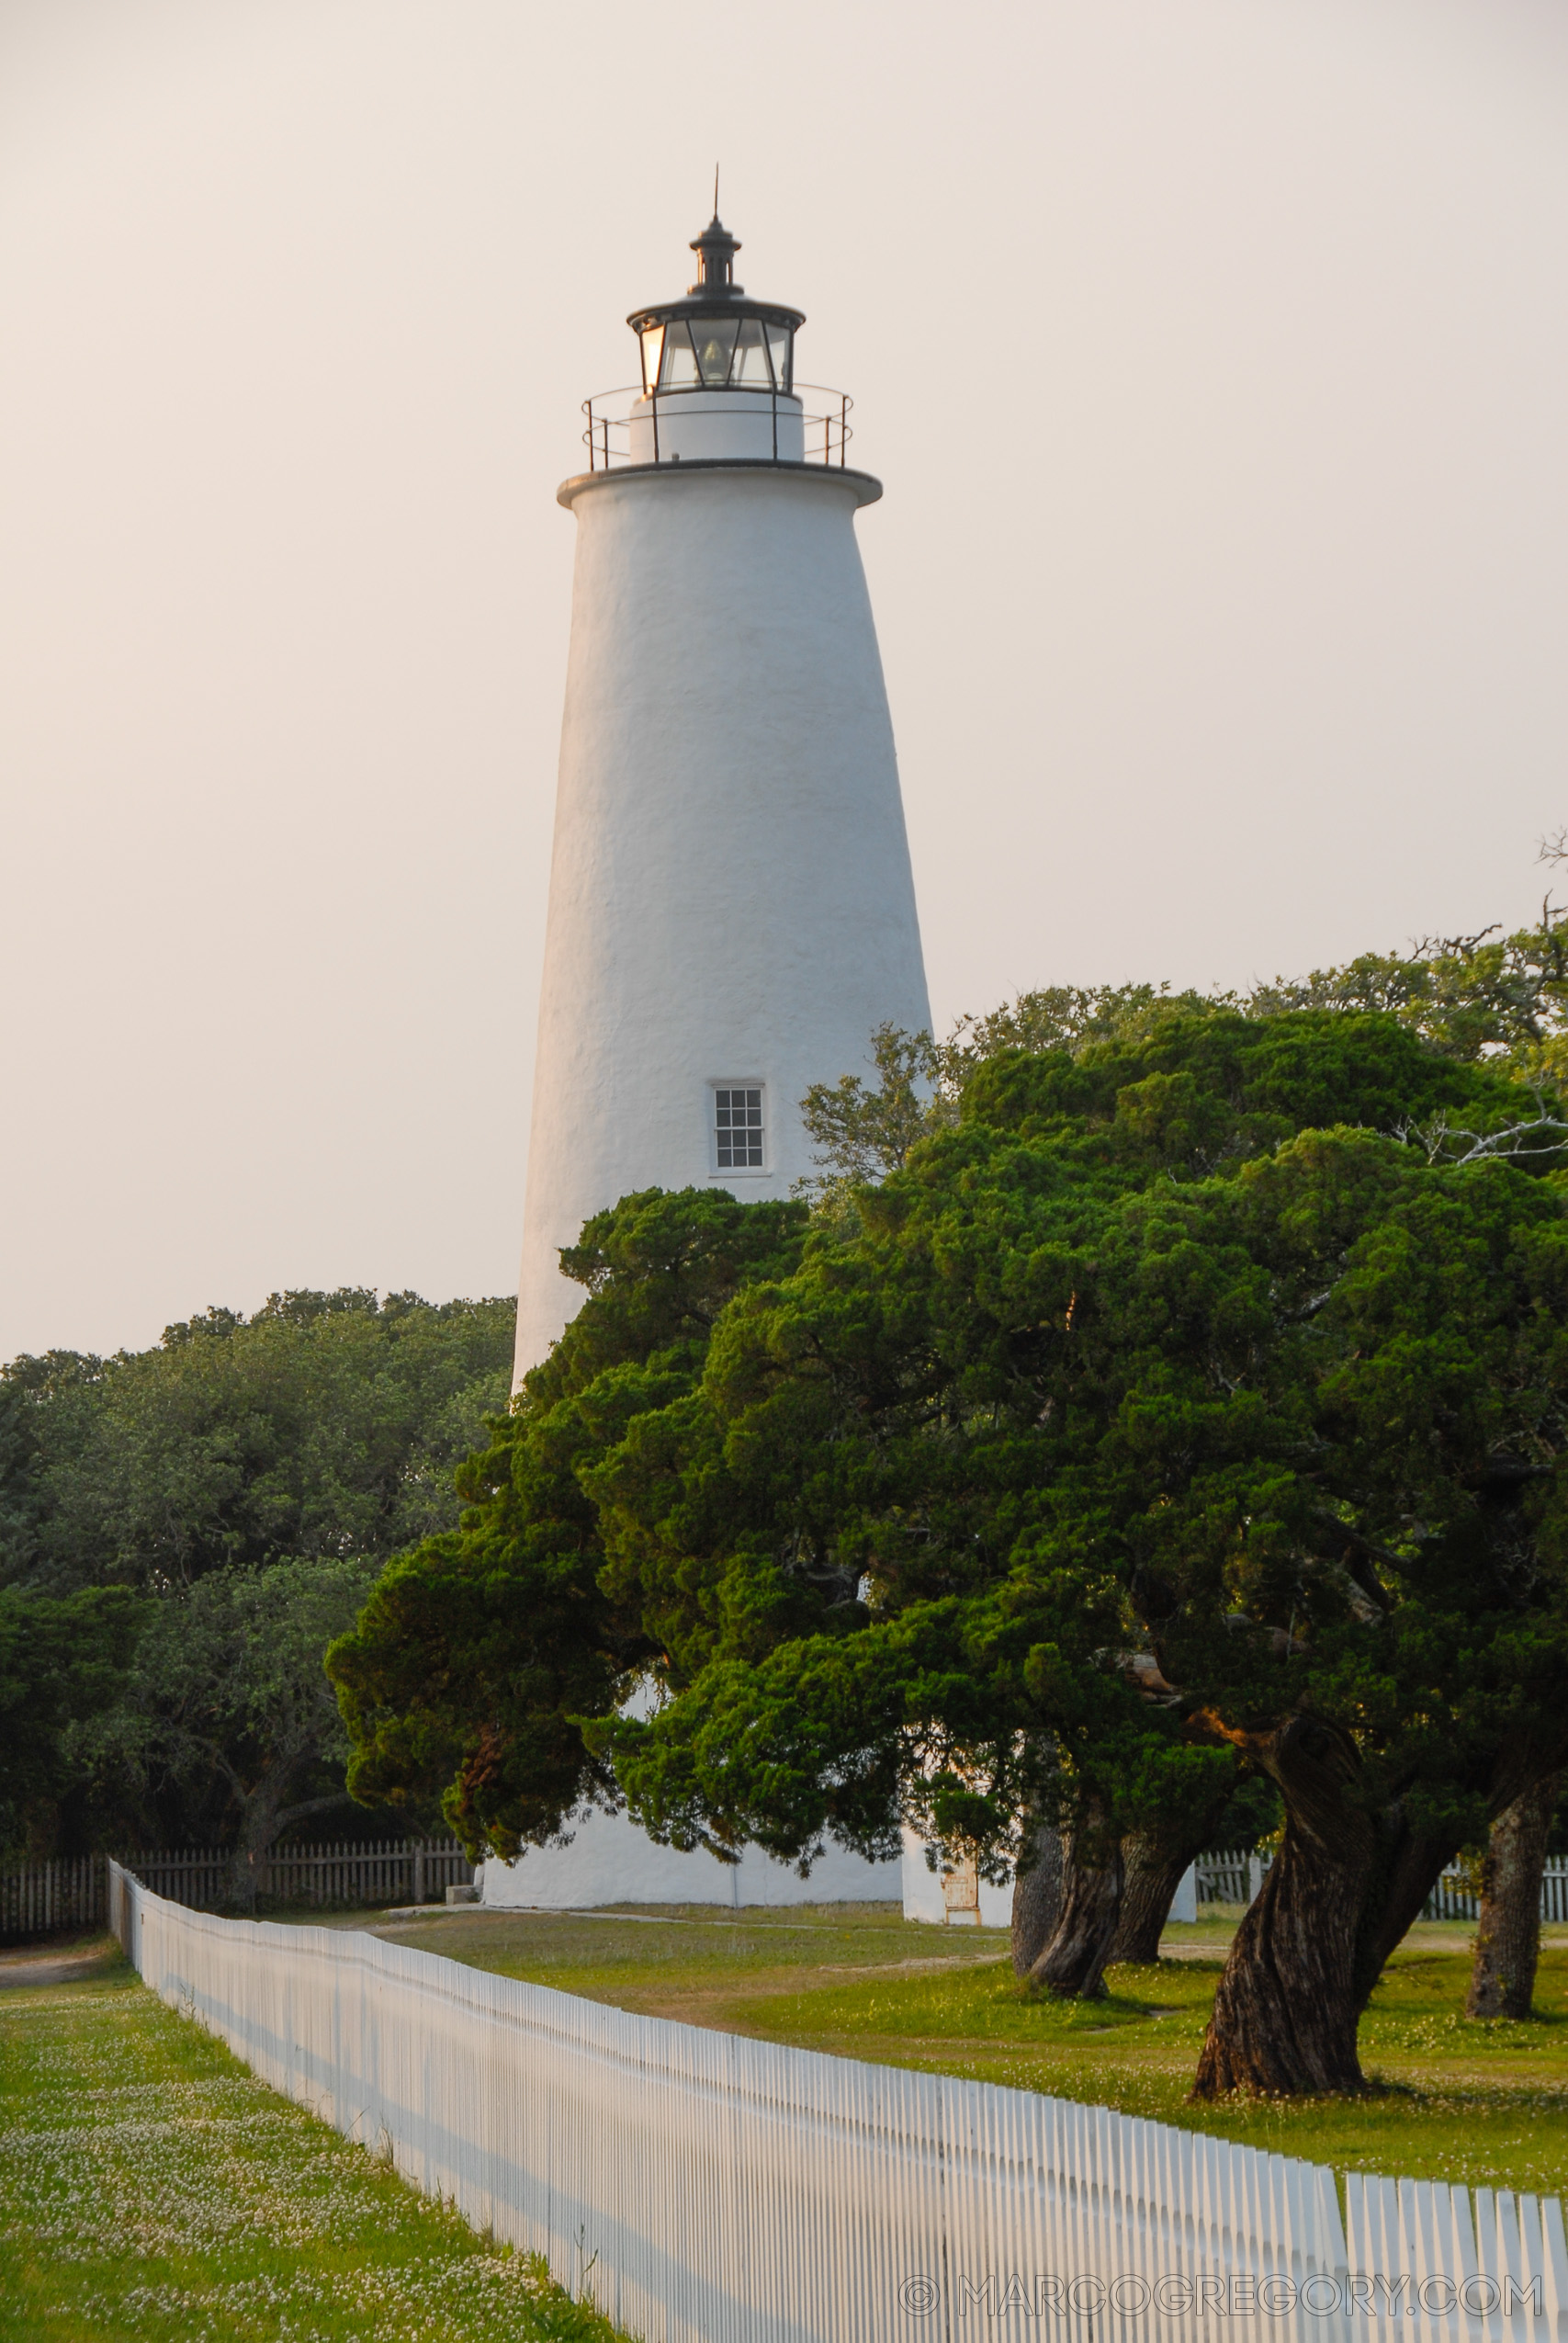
(825, 415)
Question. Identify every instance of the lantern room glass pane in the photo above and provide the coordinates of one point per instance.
(652, 345)
(714, 339)
(680, 368)
(779, 340)
(750, 369)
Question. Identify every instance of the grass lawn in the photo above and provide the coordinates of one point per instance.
(1485, 2103)
(150, 2187)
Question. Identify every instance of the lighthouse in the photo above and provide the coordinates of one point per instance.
(732, 909)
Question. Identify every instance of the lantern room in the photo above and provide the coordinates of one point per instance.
(718, 371)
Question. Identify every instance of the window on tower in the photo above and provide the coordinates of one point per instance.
(737, 1127)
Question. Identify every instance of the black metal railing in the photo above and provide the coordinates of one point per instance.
(825, 422)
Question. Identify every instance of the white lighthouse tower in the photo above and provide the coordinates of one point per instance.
(732, 909)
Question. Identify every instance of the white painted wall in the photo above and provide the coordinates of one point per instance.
(730, 894)
(719, 424)
(922, 1891)
(610, 1861)
(924, 1900)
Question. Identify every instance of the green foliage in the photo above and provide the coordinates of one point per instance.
(247, 1477)
(1184, 1092)
(63, 1661)
(478, 1650)
(225, 1694)
(327, 1424)
(1160, 1397)
(861, 1134)
(1489, 995)
(1486, 999)
(1132, 1458)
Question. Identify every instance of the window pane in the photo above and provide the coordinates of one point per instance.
(751, 355)
(680, 371)
(737, 1127)
(780, 337)
(652, 344)
(714, 338)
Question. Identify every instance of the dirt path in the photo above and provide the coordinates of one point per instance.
(74, 1964)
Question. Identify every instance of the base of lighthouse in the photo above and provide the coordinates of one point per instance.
(610, 1861)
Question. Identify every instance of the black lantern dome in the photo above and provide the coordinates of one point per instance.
(716, 339)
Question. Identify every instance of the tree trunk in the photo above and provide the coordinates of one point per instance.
(1074, 1962)
(1036, 1898)
(258, 1828)
(1507, 1942)
(1346, 1885)
(1154, 1863)
(1285, 2016)
(262, 1815)
(1153, 1871)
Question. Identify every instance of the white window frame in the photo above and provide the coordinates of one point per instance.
(736, 1172)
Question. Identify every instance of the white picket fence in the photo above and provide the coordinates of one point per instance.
(1229, 1875)
(1454, 1898)
(735, 2192)
(1234, 1876)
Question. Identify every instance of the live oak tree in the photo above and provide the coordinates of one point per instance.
(481, 1649)
(1501, 999)
(1156, 1854)
(1136, 1427)
(1490, 998)
(1494, 998)
(1266, 1461)
(862, 1132)
(1507, 1940)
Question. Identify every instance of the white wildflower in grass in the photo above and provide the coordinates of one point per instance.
(149, 2186)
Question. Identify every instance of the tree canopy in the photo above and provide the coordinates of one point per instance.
(61, 1665)
(325, 1424)
(202, 1517)
(479, 1650)
(224, 1703)
(1174, 1400)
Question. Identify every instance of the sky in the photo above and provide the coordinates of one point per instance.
(1213, 355)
